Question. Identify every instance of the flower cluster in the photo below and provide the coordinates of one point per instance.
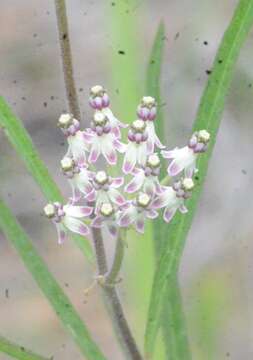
(99, 200)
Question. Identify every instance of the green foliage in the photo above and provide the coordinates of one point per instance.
(22, 143)
(208, 117)
(55, 295)
(17, 351)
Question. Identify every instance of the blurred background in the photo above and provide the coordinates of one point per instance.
(111, 41)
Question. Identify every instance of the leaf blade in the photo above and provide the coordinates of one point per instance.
(208, 117)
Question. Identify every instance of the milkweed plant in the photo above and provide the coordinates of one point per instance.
(99, 200)
(116, 182)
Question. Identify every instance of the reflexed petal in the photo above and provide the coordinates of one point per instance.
(175, 168)
(184, 158)
(95, 152)
(149, 186)
(117, 182)
(77, 211)
(158, 143)
(151, 214)
(76, 226)
(76, 195)
(112, 230)
(169, 154)
(142, 153)
(83, 183)
(127, 217)
(91, 196)
(136, 183)
(150, 145)
(61, 233)
(116, 197)
(169, 213)
(88, 136)
(139, 224)
(97, 222)
(191, 170)
(167, 197)
(183, 209)
(119, 146)
(130, 158)
(78, 147)
(108, 151)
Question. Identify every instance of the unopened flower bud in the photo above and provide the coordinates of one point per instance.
(101, 178)
(187, 184)
(153, 161)
(97, 90)
(138, 125)
(106, 209)
(49, 211)
(143, 200)
(203, 136)
(148, 101)
(65, 120)
(67, 164)
(99, 118)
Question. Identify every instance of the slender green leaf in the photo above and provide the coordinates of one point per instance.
(208, 117)
(17, 351)
(55, 295)
(173, 320)
(22, 143)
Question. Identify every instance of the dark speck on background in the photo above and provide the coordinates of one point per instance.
(7, 293)
(45, 104)
(81, 89)
(205, 43)
(250, 85)
(121, 52)
(177, 36)
(113, 3)
(244, 171)
(208, 72)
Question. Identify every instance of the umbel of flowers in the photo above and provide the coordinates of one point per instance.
(99, 200)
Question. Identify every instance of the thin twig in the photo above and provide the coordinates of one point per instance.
(112, 277)
(63, 31)
(113, 303)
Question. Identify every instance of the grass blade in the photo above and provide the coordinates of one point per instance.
(55, 295)
(173, 321)
(17, 351)
(22, 143)
(208, 117)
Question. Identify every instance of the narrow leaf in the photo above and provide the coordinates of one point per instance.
(49, 286)
(22, 143)
(208, 117)
(17, 351)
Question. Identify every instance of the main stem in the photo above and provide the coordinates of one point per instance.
(62, 24)
(112, 299)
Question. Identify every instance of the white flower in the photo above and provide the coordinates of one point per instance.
(135, 212)
(102, 140)
(136, 151)
(185, 158)
(147, 112)
(172, 198)
(106, 218)
(79, 177)
(146, 178)
(105, 190)
(99, 100)
(75, 137)
(66, 217)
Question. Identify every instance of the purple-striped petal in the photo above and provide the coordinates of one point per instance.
(97, 222)
(169, 213)
(117, 182)
(94, 153)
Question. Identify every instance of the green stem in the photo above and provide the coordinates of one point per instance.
(63, 31)
(208, 117)
(49, 286)
(112, 276)
(113, 304)
(17, 351)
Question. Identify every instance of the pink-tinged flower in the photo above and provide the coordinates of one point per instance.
(185, 158)
(99, 100)
(75, 137)
(136, 211)
(136, 151)
(147, 111)
(102, 140)
(146, 178)
(79, 177)
(66, 218)
(105, 190)
(106, 218)
(172, 198)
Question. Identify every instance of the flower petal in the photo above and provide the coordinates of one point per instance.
(130, 158)
(76, 226)
(127, 216)
(116, 197)
(77, 211)
(168, 196)
(169, 213)
(169, 154)
(61, 233)
(117, 182)
(108, 151)
(97, 222)
(183, 209)
(119, 146)
(152, 214)
(139, 224)
(142, 154)
(91, 196)
(112, 230)
(94, 152)
(136, 183)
